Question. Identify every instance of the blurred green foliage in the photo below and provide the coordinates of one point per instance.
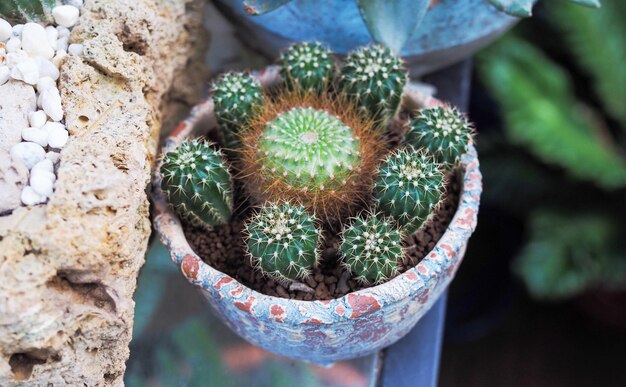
(561, 165)
(27, 10)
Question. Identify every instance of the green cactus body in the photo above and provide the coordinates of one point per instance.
(198, 184)
(308, 67)
(371, 248)
(236, 97)
(373, 78)
(282, 241)
(309, 149)
(444, 132)
(410, 185)
(27, 10)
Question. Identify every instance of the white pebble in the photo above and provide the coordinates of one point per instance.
(13, 44)
(45, 83)
(64, 32)
(45, 165)
(30, 197)
(51, 104)
(53, 156)
(17, 30)
(35, 42)
(36, 135)
(57, 137)
(28, 152)
(37, 119)
(47, 68)
(27, 71)
(58, 58)
(65, 15)
(52, 35)
(5, 30)
(62, 43)
(42, 182)
(75, 49)
(4, 74)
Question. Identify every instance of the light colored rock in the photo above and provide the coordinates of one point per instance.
(16, 31)
(42, 182)
(26, 71)
(65, 15)
(57, 137)
(44, 165)
(59, 57)
(52, 34)
(75, 49)
(4, 74)
(69, 267)
(51, 103)
(45, 83)
(5, 30)
(13, 44)
(14, 112)
(36, 135)
(28, 153)
(35, 41)
(37, 119)
(30, 197)
(13, 177)
(62, 43)
(47, 68)
(53, 156)
(64, 32)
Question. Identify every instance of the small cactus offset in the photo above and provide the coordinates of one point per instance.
(282, 241)
(410, 185)
(308, 67)
(236, 97)
(371, 248)
(198, 184)
(373, 78)
(443, 132)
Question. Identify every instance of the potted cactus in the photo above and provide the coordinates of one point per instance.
(333, 208)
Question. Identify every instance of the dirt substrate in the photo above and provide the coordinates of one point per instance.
(223, 249)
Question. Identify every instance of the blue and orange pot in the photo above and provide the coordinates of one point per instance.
(322, 332)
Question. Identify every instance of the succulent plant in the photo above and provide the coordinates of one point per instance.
(410, 185)
(197, 184)
(373, 78)
(371, 248)
(236, 97)
(282, 241)
(308, 67)
(27, 10)
(444, 132)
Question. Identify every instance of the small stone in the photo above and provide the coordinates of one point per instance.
(75, 49)
(28, 152)
(62, 43)
(42, 182)
(15, 57)
(45, 83)
(35, 42)
(26, 71)
(13, 178)
(64, 32)
(53, 156)
(52, 35)
(37, 119)
(14, 44)
(36, 135)
(57, 137)
(59, 57)
(65, 15)
(5, 30)
(47, 68)
(16, 31)
(30, 197)
(4, 74)
(45, 165)
(51, 104)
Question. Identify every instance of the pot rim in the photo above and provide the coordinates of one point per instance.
(426, 273)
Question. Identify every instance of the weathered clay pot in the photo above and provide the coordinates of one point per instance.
(323, 331)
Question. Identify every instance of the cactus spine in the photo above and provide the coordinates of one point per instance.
(371, 248)
(198, 184)
(410, 185)
(373, 78)
(236, 97)
(444, 132)
(282, 241)
(308, 67)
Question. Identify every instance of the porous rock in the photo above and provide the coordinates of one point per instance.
(68, 269)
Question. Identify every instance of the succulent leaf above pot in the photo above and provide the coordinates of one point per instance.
(323, 204)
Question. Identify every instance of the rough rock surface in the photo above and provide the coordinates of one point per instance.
(68, 269)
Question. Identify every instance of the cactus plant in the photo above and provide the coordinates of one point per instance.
(197, 184)
(442, 131)
(27, 10)
(410, 185)
(373, 78)
(236, 96)
(282, 241)
(371, 248)
(308, 67)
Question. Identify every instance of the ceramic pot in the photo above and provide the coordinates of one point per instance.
(450, 31)
(322, 332)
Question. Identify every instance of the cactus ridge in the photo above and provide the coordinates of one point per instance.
(236, 97)
(308, 67)
(197, 184)
(371, 248)
(374, 79)
(409, 187)
(444, 132)
(282, 240)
